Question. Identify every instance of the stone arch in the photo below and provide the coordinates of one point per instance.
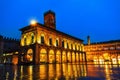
(119, 59)
(73, 57)
(32, 38)
(51, 56)
(73, 46)
(29, 55)
(28, 41)
(68, 57)
(24, 40)
(77, 57)
(101, 58)
(43, 55)
(80, 56)
(95, 58)
(69, 45)
(56, 43)
(58, 56)
(63, 56)
(42, 38)
(114, 58)
(106, 57)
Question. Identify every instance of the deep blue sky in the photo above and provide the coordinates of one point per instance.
(98, 18)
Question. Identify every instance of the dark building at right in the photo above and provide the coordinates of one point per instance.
(100, 52)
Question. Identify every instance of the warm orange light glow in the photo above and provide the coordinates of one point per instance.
(114, 61)
(33, 22)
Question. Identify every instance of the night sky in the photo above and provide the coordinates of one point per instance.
(100, 19)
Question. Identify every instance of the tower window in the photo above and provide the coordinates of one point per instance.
(42, 39)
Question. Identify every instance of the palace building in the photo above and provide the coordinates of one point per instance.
(42, 43)
(9, 48)
(107, 51)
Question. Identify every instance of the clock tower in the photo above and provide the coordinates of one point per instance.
(49, 19)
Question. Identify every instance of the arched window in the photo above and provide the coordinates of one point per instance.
(75, 47)
(67, 45)
(43, 55)
(42, 39)
(63, 43)
(29, 55)
(78, 47)
(57, 43)
(50, 41)
(25, 40)
(32, 38)
(71, 46)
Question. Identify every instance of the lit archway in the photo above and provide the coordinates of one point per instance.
(51, 56)
(95, 58)
(58, 56)
(114, 60)
(73, 57)
(63, 56)
(119, 59)
(69, 57)
(77, 57)
(32, 38)
(101, 59)
(43, 55)
(106, 57)
(29, 56)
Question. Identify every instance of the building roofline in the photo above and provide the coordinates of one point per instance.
(105, 42)
(43, 26)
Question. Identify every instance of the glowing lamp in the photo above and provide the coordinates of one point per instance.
(33, 22)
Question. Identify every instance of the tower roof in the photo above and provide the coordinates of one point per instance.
(49, 11)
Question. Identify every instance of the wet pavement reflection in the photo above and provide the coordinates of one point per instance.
(74, 71)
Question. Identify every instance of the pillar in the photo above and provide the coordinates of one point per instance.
(71, 57)
(66, 57)
(36, 54)
(47, 56)
(79, 57)
(75, 57)
(55, 55)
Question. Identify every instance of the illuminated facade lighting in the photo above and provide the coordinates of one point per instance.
(33, 22)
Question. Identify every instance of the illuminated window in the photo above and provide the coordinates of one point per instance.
(42, 39)
(50, 41)
(63, 43)
(78, 47)
(32, 39)
(57, 43)
(118, 47)
(71, 46)
(25, 41)
(75, 47)
(67, 45)
(112, 48)
(29, 55)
